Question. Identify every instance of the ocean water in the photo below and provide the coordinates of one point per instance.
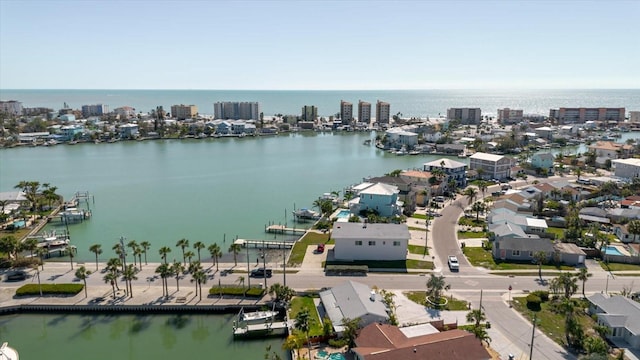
(410, 103)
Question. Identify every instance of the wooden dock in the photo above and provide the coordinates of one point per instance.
(280, 328)
(265, 244)
(281, 229)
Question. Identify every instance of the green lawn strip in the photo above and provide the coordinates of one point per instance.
(415, 228)
(419, 297)
(525, 273)
(478, 256)
(418, 249)
(49, 289)
(550, 322)
(299, 303)
(465, 221)
(231, 290)
(471, 234)
(419, 216)
(619, 266)
(300, 247)
(399, 265)
(558, 232)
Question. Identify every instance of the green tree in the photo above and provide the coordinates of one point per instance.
(183, 243)
(478, 207)
(583, 275)
(164, 270)
(198, 245)
(283, 294)
(303, 322)
(11, 246)
(568, 284)
(471, 193)
(30, 244)
(70, 249)
(199, 277)
(145, 245)
(189, 255)
(634, 228)
(215, 251)
(596, 345)
(540, 257)
(476, 317)
(133, 245)
(293, 342)
(30, 189)
(111, 278)
(324, 205)
(177, 269)
(82, 273)
(96, 249)
(350, 332)
(235, 249)
(435, 286)
(482, 186)
(41, 252)
(129, 275)
(164, 251)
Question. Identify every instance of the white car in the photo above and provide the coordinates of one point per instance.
(454, 265)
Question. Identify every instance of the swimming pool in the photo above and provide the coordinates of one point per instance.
(19, 224)
(336, 356)
(323, 354)
(612, 250)
(343, 214)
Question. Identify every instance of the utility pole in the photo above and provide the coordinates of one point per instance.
(533, 333)
(248, 268)
(480, 300)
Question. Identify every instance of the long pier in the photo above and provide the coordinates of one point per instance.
(281, 229)
(265, 244)
(280, 328)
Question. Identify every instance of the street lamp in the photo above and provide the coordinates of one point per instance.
(606, 287)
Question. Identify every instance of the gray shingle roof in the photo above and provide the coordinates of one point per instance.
(619, 311)
(351, 300)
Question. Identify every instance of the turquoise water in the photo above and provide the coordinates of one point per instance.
(343, 214)
(19, 223)
(612, 250)
(336, 356)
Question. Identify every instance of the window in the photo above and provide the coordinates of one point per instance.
(372, 243)
(396, 243)
(515, 252)
(358, 242)
(530, 254)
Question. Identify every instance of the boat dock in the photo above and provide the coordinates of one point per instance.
(265, 244)
(280, 328)
(281, 229)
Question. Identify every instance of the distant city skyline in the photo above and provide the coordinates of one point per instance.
(319, 45)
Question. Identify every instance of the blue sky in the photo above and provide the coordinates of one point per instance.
(140, 44)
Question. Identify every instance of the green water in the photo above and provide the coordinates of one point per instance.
(162, 191)
(131, 337)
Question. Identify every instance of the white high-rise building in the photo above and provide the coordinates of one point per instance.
(11, 107)
(346, 112)
(383, 111)
(364, 111)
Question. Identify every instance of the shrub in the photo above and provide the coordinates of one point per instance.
(542, 294)
(338, 343)
(49, 289)
(237, 291)
(533, 302)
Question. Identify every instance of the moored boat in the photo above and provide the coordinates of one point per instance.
(8, 353)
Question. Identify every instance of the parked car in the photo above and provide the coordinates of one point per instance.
(320, 248)
(454, 265)
(17, 275)
(260, 272)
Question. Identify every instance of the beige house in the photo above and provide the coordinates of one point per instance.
(490, 166)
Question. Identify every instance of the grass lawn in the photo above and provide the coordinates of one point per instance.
(421, 216)
(618, 266)
(471, 234)
(399, 265)
(417, 249)
(478, 256)
(300, 247)
(418, 297)
(551, 323)
(465, 221)
(558, 232)
(299, 303)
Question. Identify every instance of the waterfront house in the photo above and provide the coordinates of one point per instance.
(545, 132)
(128, 131)
(70, 132)
(620, 314)
(368, 241)
(490, 166)
(626, 168)
(398, 137)
(353, 300)
(611, 150)
(453, 170)
(379, 198)
(542, 161)
(378, 341)
(405, 194)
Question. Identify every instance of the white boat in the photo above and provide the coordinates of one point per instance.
(257, 316)
(306, 214)
(8, 353)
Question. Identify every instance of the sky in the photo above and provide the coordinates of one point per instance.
(319, 45)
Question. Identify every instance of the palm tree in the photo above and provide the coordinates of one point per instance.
(240, 281)
(478, 207)
(113, 266)
(303, 323)
(567, 282)
(471, 193)
(164, 271)
(41, 252)
(539, 258)
(476, 316)
(199, 277)
(70, 249)
(235, 249)
(293, 342)
(129, 275)
(189, 254)
(138, 252)
(177, 269)
(482, 185)
(119, 249)
(583, 275)
(82, 273)
(30, 189)
(183, 243)
(164, 251)
(214, 250)
(198, 245)
(145, 245)
(133, 245)
(634, 228)
(435, 286)
(96, 249)
(111, 278)
(30, 244)
(283, 294)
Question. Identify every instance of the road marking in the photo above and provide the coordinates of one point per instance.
(471, 283)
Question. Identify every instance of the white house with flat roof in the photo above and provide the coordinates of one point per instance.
(490, 166)
(626, 168)
(453, 170)
(363, 241)
(353, 300)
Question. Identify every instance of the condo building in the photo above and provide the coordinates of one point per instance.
(182, 112)
(490, 166)
(309, 113)
(466, 116)
(364, 111)
(346, 111)
(236, 110)
(94, 110)
(509, 116)
(11, 107)
(383, 110)
(634, 117)
(582, 115)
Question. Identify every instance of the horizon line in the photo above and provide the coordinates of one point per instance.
(381, 89)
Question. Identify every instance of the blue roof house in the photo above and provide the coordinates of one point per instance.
(381, 198)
